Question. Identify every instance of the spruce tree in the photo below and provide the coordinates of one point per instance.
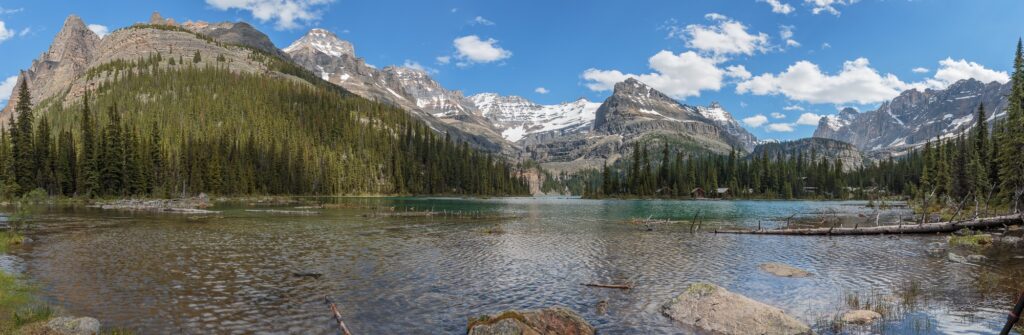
(89, 174)
(24, 151)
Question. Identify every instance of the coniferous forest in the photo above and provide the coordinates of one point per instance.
(166, 127)
(979, 166)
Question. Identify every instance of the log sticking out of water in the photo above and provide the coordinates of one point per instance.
(926, 228)
(618, 286)
(337, 316)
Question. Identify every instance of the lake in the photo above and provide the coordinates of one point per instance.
(394, 271)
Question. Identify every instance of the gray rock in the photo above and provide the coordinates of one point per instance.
(69, 325)
(861, 317)
(821, 147)
(936, 252)
(713, 309)
(957, 258)
(976, 258)
(1010, 241)
(783, 270)
(548, 321)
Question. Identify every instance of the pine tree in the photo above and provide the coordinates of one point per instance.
(156, 161)
(112, 156)
(67, 169)
(89, 174)
(1011, 160)
(44, 162)
(24, 151)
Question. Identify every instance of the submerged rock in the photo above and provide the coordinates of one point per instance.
(548, 321)
(976, 258)
(69, 325)
(783, 270)
(1010, 241)
(711, 308)
(861, 317)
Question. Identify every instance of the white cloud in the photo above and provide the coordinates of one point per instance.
(4, 32)
(779, 127)
(778, 6)
(541, 90)
(100, 30)
(950, 71)
(786, 33)
(454, 10)
(793, 108)
(24, 32)
(10, 10)
(777, 115)
(756, 120)
(482, 21)
(828, 6)
(920, 70)
(7, 87)
(678, 76)
(737, 71)
(804, 81)
(287, 14)
(443, 59)
(826, 45)
(726, 37)
(808, 119)
(417, 66)
(471, 49)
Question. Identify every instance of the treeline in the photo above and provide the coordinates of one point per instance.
(170, 130)
(679, 174)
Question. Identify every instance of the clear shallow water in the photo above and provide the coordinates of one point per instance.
(232, 272)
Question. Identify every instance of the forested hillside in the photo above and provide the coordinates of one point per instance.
(175, 125)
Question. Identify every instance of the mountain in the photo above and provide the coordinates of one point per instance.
(69, 56)
(177, 111)
(447, 111)
(635, 113)
(517, 117)
(813, 149)
(916, 117)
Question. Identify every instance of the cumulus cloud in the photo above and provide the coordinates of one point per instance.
(755, 121)
(443, 59)
(7, 87)
(779, 127)
(99, 29)
(737, 71)
(480, 20)
(25, 32)
(471, 49)
(920, 70)
(725, 37)
(4, 32)
(777, 115)
(779, 6)
(541, 90)
(679, 76)
(808, 119)
(286, 14)
(804, 81)
(828, 6)
(950, 71)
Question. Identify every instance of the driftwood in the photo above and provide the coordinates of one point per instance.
(1014, 315)
(337, 316)
(927, 228)
(618, 286)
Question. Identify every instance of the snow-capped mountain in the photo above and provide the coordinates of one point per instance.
(720, 116)
(517, 117)
(916, 117)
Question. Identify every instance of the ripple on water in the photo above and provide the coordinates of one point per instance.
(233, 275)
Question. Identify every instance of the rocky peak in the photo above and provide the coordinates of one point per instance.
(639, 91)
(322, 41)
(848, 112)
(156, 19)
(74, 42)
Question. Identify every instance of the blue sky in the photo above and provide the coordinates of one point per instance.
(769, 62)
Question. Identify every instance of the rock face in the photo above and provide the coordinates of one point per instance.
(67, 59)
(335, 61)
(713, 309)
(813, 149)
(516, 117)
(66, 325)
(239, 33)
(548, 321)
(915, 117)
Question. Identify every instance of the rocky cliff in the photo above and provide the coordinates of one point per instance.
(915, 117)
(813, 149)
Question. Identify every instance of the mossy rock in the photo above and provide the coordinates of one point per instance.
(548, 321)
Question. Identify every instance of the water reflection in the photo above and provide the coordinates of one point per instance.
(233, 272)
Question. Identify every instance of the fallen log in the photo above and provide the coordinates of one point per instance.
(337, 316)
(1014, 315)
(618, 286)
(925, 228)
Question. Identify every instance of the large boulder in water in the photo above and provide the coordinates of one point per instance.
(548, 321)
(714, 309)
(69, 325)
(783, 270)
